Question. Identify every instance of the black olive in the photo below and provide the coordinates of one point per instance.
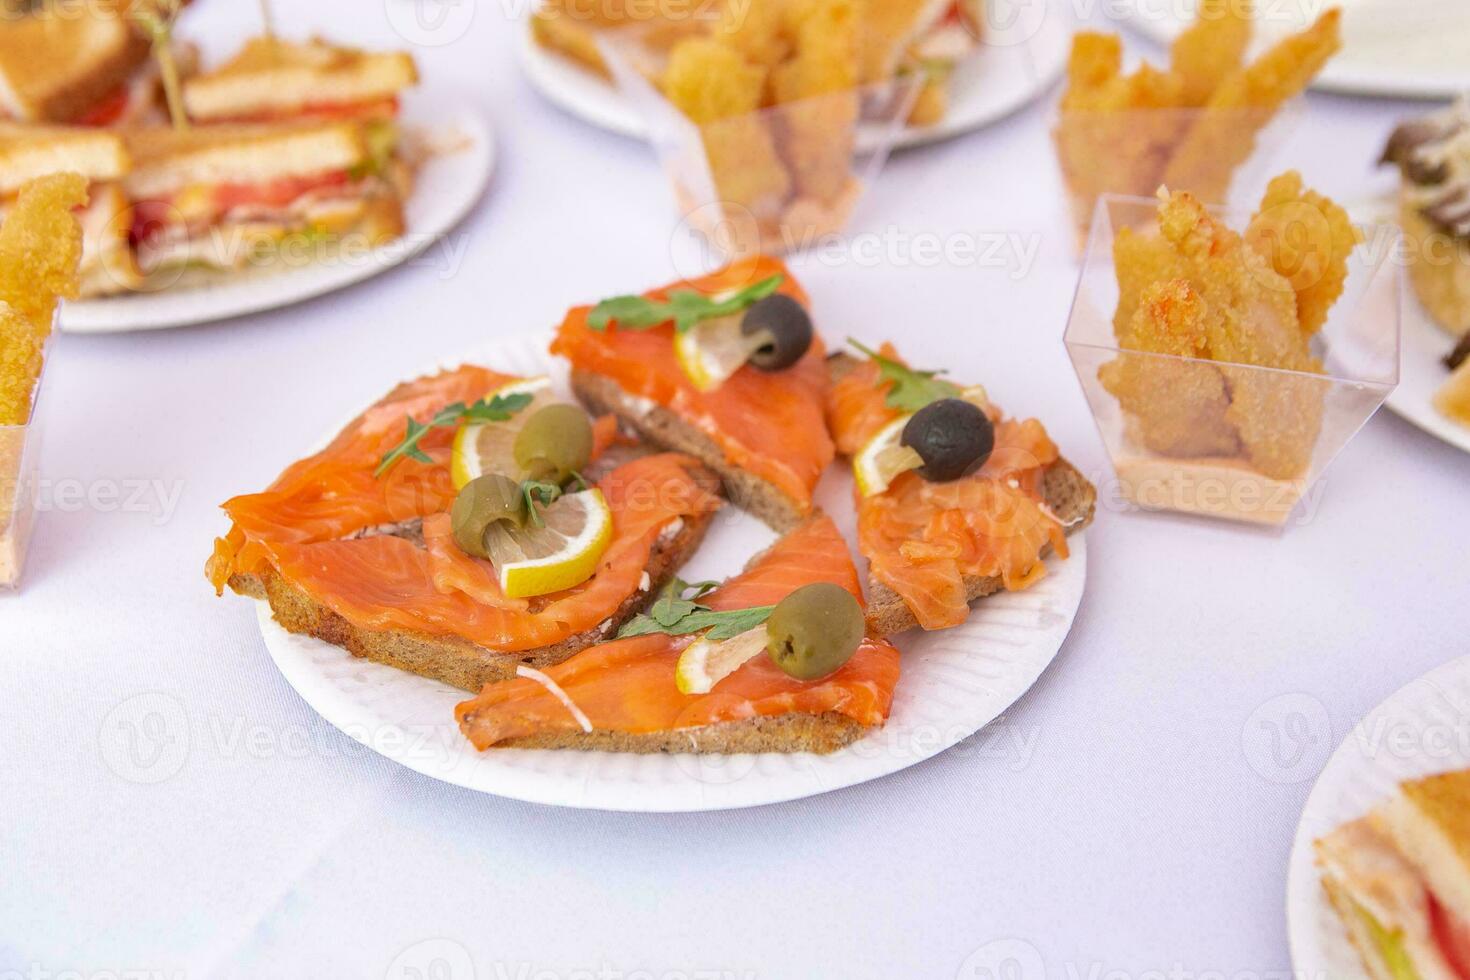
(787, 329)
(952, 436)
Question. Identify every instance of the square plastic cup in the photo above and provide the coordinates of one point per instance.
(1221, 156)
(20, 458)
(776, 180)
(1232, 440)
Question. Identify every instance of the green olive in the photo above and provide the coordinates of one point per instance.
(814, 630)
(482, 502)
(555, 442)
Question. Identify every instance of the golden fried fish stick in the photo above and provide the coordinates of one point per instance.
(1212, 48)
(1177, 408)
(1278, 417)
(40, 247)
(818, 101)
(719, 91)
(1307, 238)
(755, 28)
(1224, 136)
(1140, 259)
(1095, 62)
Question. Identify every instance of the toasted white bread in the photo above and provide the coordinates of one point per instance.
(28, 152)
(166, 160)
(272, 78)
(1383, 872)
(57, 64)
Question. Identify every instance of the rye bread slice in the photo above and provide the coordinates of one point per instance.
(1068, 495)
(454, 660)
(794, 731)
(663, 428)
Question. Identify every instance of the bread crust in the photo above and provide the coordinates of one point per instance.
(451, 659)
(791, 732)
(663, 428)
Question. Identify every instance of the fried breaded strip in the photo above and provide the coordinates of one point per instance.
(40, 249)
(1225, 134)
(1140, 259)
(1212, 48)
(818, 103)
(757, 29)
(719, 91)
(1307, 238)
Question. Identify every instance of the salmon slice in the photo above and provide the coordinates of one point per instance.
(316, 527)
(628, 685)
(769, 423)
(922, 539)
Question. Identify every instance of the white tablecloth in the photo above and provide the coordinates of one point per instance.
(171, 806)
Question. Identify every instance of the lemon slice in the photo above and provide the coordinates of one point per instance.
(562, 553)
(712, 350)
(883, 458)
(489, 447)
(704, 663)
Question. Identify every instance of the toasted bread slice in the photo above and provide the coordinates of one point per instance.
(57, 64)
(167, 160)
(1068, 494)
(272, 77)
(662, 427)
(28, 152)
(453, 660)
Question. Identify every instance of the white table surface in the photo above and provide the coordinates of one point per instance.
(171, 807)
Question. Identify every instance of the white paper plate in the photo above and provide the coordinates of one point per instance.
(1417, 49)
(1422, 373)
(1417, 732)
(953, 684)
(447, 187)
(1003, 79)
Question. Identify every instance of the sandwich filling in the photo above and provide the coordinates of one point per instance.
(380, 552)
(767, 423)
(922, 539)
(629, 685)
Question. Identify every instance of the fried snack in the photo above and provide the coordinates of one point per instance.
(40, 248)
(1307, 239)
(1196, 289)
(1212, 48)
(816, 90)
(1224, 136)
(1178, 407)
(719, 91)
(757, 29)
(1110, 138)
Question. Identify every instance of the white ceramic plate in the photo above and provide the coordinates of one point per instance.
(1422, 373)
(1003, 79)
(954, 683)
(1417, 732)
(1418, 49)
(447, 187)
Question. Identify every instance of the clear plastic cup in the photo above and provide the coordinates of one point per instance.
(20, 458)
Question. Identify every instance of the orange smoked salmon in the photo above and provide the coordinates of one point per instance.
(922, 539)
(629, 686)
(321, 525)
(769, 424)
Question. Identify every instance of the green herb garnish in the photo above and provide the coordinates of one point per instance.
(497, 409)
(912, 389)
(535, 491)
(685, 307)
(678, 614)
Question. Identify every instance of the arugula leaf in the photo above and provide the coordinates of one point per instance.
(497, 409)
(912, 389)
(534, 491)
(685, 307)
(678, 615)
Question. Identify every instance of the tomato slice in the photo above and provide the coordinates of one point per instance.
(108, 111)
(328, 112)
(1453, 936)
(277, 193)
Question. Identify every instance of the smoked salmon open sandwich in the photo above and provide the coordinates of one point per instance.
(467, 524)
(726, 368)
(955, 500)
(774, 660)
